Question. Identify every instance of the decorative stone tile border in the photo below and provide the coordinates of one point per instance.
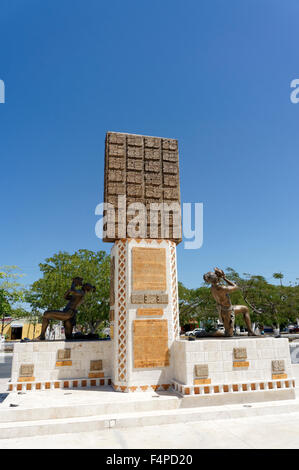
(238, 387)
(141, 388)
(62, 383)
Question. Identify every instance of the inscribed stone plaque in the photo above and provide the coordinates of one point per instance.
(63, 354)
(149, 269)
(201, 371)
(240, 353)
(144, 312)
(241, 364)
(150, 343)
(96, 365)
(278, 366)
(26, 370)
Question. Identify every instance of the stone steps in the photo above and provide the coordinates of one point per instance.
(75, 410)
(135, 418)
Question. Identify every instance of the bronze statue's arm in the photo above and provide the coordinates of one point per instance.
(232, 286)
(72, 293)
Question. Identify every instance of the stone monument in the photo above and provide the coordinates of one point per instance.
(142, 174)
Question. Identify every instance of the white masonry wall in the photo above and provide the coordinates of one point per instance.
(44, 356)
(218, 354)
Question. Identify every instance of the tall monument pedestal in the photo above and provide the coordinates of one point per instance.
(144, 314)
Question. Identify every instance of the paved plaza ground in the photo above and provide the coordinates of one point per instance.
(261, 432)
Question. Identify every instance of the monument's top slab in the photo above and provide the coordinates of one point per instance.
(142, 169)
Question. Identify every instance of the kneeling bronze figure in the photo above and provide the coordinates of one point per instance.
(68, 314)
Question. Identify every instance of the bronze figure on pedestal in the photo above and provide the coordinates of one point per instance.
(226, 310)
(68, 314)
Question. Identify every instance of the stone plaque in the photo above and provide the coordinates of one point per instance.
(146, 312)
(201, 371)
(279, 376)
(240, 353)
(96, 365)
(63, 354)
(149, 269)
(162, 299)
(143, 169)
(149, 299)
(241, 364)
(26, 370)
(202, 381)
(150, 343)
(278, 366)
(137, 299)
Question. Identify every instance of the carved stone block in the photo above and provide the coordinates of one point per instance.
(96, 365)
(240, 353)
(150, 299)
(26, 370)
(278, 366)
(137, 298)
(63, 354)
(162, 299)
(201, 371)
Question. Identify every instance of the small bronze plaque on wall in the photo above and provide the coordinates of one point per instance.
(96, 365)
(63, 354)
(26, 370)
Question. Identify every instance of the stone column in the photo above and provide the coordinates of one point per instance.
(145, 314)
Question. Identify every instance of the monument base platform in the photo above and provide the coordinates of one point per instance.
(234, 370)
(44, 365)
(209, 371)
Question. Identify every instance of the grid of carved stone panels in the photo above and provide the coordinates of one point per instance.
(144, 169)
(122, 321)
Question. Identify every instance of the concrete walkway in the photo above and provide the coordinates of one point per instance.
(259, 432)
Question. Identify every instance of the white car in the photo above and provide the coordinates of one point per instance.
(192, 332)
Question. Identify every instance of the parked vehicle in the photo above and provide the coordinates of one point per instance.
(192, 332)
(200, 333)
(293, 329)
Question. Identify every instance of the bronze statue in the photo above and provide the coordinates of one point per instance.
(68, 314)
(226, 310)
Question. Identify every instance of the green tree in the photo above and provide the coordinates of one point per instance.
(270, 304)
(47, 293)
(11, 294)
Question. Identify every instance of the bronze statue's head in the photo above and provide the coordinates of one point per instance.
(88, 287)
(77, 281)
(211, 277)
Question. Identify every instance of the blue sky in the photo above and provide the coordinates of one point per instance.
(214, 74)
